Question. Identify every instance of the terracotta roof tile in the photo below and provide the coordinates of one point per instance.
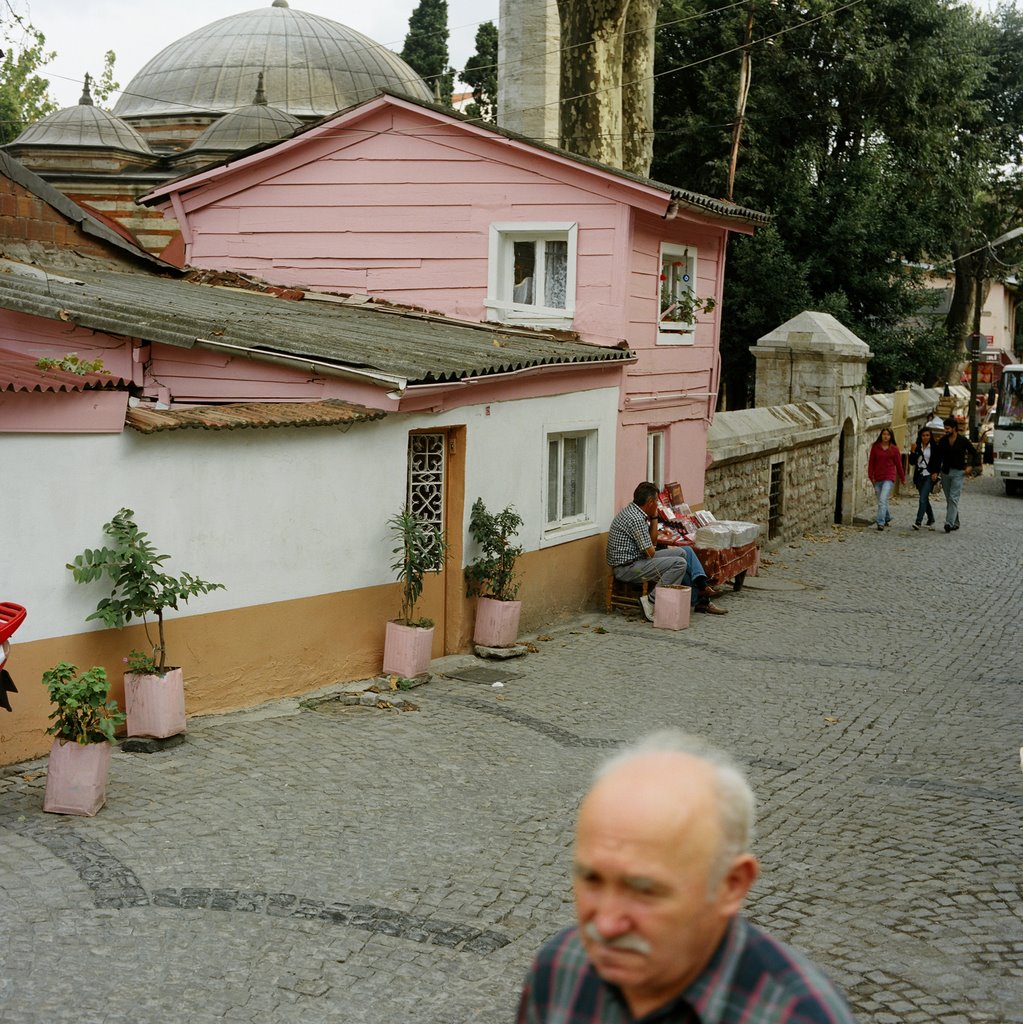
(330, 412)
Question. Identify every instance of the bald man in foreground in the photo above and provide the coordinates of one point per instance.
(661, 868)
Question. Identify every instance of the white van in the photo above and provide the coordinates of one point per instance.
(1008, 434)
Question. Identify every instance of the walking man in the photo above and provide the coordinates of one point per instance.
(957, 458)
(632, 554)
(661, 867)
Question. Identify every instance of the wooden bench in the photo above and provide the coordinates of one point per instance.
(625, 596)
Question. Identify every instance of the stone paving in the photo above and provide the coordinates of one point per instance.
(312, 862)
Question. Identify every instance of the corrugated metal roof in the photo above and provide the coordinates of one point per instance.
(331, 412)
(19, 372)
(418, 348)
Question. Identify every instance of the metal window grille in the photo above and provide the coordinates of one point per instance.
(775, 497)
(425, 494)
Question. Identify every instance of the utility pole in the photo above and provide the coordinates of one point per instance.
(745, 71)
(975, 339)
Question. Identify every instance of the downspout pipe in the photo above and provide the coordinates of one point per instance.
(380, 380)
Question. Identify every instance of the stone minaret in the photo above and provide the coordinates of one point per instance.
(527, 89)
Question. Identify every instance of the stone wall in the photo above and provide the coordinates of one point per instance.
(748, 444)
(804, 439)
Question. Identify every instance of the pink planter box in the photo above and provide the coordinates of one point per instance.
(497, 622)
(155, 705)
(672, 606)
(76, 779)
(407, 650)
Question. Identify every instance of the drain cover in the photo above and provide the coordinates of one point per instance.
(482, 675)
(759, 583)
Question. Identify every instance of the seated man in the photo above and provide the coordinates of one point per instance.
(632, 554)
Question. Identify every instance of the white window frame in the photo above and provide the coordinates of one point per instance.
(500, 304)
(676, 332)
(581, 523)
(656, 441)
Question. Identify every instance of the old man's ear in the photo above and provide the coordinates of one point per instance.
(737, 882)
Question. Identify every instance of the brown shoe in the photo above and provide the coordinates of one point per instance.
(711, 609)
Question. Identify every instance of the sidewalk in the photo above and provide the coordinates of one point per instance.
(315, 861)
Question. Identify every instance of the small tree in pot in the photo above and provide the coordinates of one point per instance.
(492, 575)
(141, 588)
(84, 721)
(420, 549)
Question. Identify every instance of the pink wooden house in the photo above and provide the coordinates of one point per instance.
(404, 201)
(263, 436)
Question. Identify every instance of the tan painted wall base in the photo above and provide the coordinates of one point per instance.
(241, 658)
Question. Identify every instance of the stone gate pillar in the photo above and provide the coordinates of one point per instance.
(812, 358)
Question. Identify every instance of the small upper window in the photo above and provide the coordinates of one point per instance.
(679, 302)
(531, 277)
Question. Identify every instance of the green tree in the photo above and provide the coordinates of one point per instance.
(854, 141)
(105, 86)
(480, 72)
(24, 93)
(426, 47)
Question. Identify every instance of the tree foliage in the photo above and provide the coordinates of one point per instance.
(480, 73)
(24, 93)
(426, 47)
(105, 86)
(869, 133)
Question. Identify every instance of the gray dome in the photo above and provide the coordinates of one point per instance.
(83, 125)
(313, 67)
(250, 126)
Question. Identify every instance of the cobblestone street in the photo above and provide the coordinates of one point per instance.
(339, 863)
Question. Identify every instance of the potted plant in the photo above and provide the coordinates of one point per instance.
(491, 577)
(154, 695)
(420, 549)
(83, 724)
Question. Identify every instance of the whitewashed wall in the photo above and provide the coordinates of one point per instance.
(273, 514)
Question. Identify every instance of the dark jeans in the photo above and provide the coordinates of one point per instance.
(925, 486)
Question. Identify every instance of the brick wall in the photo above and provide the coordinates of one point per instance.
(28, 222)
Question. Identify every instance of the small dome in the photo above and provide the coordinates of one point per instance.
(314, 66)
(253, 125)
(83, 125)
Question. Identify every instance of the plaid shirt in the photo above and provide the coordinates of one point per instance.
(751, 979)
(628, 536)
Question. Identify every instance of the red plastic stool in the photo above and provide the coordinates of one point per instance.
(11, 617)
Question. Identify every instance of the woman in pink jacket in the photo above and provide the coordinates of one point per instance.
(884, 466)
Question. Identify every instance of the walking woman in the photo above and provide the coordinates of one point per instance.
(884, 467)
(923, 457)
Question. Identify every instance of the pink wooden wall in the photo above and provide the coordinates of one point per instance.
(396, 201)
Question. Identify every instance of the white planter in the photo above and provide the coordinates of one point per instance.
(155, 705)
(76, 778)
(497, 622)
(672, 606)
(407, 650)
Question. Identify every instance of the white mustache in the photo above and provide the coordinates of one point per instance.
(630, 941)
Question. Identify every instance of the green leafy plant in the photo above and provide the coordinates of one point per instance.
(492, 574)
(420, 549)
(71, 363)
(141, 664)
(140, 586)
(84, 713)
